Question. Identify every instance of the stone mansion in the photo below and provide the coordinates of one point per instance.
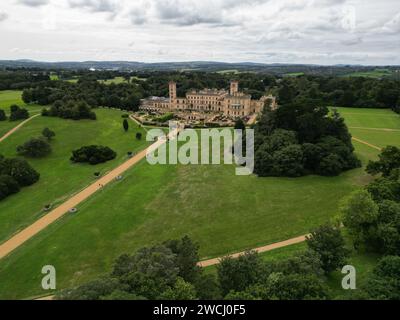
(231, 104)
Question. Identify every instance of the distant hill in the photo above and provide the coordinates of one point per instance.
(211, 66)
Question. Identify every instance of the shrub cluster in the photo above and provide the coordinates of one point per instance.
(3, 116)
(14, 174)
(35, 148)
(93, 154)
(18, 113)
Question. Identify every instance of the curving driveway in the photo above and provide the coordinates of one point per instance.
(17, 127)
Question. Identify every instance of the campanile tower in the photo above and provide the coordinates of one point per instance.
(234, 87)
(172, 93)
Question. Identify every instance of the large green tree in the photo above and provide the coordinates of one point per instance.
(389, 159)
(187, 256)
(360, 215)
(384, 284)
(35, 148)
(238, 274)
(327, 241)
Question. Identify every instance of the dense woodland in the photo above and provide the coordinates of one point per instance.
(323, 90)
(21, 79)
(299, 139)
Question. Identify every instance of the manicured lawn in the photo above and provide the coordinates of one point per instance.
(6, 126)
(370, 118)
(9, 97)
(223, 212)
(379, 138)
(370, 124)
(59, 177)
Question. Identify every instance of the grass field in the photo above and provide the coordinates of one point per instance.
(377, 73)
(294, 74)
(370, 125)
(8, 98)
(233, 71)
(6, 126)
(223, 212)
(118, 80)
(59, 177)
(370, 118)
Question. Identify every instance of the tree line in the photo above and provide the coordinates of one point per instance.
(359, 92)
(322, 90)
(21, 79)
(325, 90)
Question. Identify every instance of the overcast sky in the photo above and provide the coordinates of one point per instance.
(268, 31)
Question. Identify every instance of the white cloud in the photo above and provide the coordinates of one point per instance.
(33, 3)
(94, 5)
(393, 25)
(301, 31)
(3, 16)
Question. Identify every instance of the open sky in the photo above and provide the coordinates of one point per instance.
(267, 31)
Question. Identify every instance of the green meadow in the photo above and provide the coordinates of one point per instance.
(223, 212)
(377, 73)
(118, 80)
(8, 98)
(232, 71)
(59, 177)
(371, 125)
(294, 74)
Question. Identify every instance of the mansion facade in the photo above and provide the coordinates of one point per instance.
(232, 104)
